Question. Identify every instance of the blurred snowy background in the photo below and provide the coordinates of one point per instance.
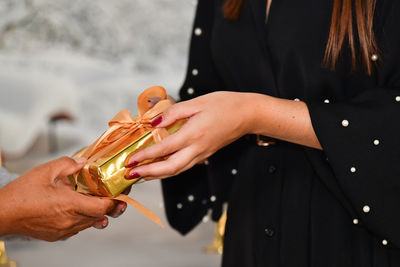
(86, 60)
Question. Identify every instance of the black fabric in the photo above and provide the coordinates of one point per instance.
(290, 205)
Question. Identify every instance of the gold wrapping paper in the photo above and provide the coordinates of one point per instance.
(110, 170)
(104, 173)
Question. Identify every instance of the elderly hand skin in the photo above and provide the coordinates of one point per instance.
(41, 204)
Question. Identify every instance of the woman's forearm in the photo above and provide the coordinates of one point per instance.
(282, 119)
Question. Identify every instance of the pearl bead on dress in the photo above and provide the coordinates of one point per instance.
(366, 209)
(190, 91)
(198, 31)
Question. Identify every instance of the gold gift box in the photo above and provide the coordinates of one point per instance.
(104, 174)
(111, 170)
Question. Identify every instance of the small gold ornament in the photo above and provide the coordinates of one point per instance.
(217, 245)
(4, 260)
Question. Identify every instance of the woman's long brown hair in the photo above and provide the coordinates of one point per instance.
(341, 30)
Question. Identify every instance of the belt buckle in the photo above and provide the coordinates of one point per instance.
(261, 142)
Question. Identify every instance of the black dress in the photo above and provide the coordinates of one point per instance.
(291, 205)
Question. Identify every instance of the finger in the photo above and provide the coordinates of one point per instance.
(176, 112)
(167, 146)
(101, 224)
(172, 99)
(93, 206)
(190, 165)
(79, 228)
(152, 101)
(166, 168)
(118, 210)
(61, 167)
(66, 236)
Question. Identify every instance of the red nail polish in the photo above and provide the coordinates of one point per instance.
(132, 164)
(156, 121)
(133, 175)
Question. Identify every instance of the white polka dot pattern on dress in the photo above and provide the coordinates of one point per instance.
(190, 91)
(234, 171)
(355, 221)
(213, 198)
(374, 57)
(326, 101)
(195, 72)
(345, 123)
(384, 242)
(179, 206)
(198, 31)
(397, 98)
(190, 198)
(353, 169)
(376, 142)
(366, 209)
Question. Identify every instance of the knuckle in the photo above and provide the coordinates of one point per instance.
(172, 169)
(67, 160)
(65, 225)
(167, 113)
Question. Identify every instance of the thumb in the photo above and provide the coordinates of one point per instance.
(61, 167)
(176, 112)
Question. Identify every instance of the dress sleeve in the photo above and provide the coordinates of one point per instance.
(360, 138)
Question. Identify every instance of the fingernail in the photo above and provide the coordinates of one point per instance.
(132, 164)
(133, 175)
(104, 223)
(156, 121)
(123, 209)
(80, 160)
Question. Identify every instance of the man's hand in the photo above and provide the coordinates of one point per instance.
(42, 205)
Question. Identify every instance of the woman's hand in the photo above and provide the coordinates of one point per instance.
(216, 120)
(42, 205)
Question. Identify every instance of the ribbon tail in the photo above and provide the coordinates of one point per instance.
(145, 211)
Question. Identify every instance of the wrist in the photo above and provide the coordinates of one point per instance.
(255, 112)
